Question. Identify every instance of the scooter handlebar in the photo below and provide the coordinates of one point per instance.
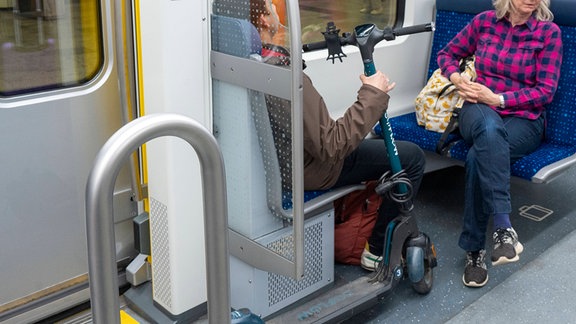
(414, 29)
(314, 46)
(346, 40)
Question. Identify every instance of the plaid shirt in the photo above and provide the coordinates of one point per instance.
(522, 63)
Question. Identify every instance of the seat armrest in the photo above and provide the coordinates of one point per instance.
(326, 199)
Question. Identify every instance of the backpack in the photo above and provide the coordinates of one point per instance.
(437, 100)
(355, 216)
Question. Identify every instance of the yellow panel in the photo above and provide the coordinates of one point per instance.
(127, 319)
(91, 38)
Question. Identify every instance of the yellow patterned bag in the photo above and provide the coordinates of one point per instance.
(437, 100)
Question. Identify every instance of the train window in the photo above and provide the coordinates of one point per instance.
(346, 14)
(48, 44)
(315, 14)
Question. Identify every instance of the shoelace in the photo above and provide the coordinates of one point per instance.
(503, 236)
(475, 259)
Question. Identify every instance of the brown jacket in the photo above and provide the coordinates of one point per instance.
(327, 142)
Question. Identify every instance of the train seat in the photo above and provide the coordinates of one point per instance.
(558, 150)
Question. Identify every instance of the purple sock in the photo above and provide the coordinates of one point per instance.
(502, 221)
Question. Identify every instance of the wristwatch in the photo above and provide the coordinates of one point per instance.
(502, 104)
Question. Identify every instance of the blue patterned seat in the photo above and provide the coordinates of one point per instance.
(558, 150)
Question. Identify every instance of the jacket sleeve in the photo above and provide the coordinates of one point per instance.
(328, 140)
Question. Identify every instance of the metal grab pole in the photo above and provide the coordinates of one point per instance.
(99, 212)
(293, 11)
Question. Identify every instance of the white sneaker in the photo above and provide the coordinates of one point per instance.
(368, 260)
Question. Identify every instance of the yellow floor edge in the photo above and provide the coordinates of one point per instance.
(127, 319)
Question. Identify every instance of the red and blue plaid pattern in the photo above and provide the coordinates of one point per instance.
(521, 62)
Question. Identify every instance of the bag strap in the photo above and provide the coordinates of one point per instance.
(464, 62)
(442, 147)
(446, 87)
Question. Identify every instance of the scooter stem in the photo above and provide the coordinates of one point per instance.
(367, 36)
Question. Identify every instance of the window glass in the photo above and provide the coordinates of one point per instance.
(48, 44)
(346, 14)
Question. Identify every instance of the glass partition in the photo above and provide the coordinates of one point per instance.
(252, 116)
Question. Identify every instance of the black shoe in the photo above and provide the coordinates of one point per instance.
(506, 246)
(475, 273)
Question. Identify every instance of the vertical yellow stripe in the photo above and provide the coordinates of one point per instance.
(140, 92)
(91, 39)
(130, 105)
(125, 58)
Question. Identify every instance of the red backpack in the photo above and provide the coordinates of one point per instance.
(355, 216)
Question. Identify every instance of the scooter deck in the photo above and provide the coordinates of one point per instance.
(335, 304)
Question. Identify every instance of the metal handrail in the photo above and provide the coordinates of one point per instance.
(293, 11)
(102, 269)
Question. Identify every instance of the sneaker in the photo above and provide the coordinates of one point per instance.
(368, 260)
(506, 246)
(475, 273)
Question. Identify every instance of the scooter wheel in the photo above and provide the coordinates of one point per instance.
(424, 286)
(419, 270)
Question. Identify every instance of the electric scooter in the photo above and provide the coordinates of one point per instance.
(407, 251)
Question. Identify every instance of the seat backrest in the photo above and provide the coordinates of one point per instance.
(448, 24)
(231, 8)
(451, 17)
(561, 113)
(235, 36)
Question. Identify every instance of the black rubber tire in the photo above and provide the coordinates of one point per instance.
(424, 286)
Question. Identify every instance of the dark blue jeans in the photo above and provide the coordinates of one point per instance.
(495, 142)
(369, 162)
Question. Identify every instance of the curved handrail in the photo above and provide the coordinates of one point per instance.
(99, 212)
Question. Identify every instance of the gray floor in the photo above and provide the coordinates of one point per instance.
(542, 291)
(535, 289)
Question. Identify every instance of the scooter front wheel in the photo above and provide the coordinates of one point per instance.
(419, 270)
(424, 286)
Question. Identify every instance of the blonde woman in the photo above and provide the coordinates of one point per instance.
(518, 53)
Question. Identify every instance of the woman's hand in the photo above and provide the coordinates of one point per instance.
(473, 91)
(378, 80)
